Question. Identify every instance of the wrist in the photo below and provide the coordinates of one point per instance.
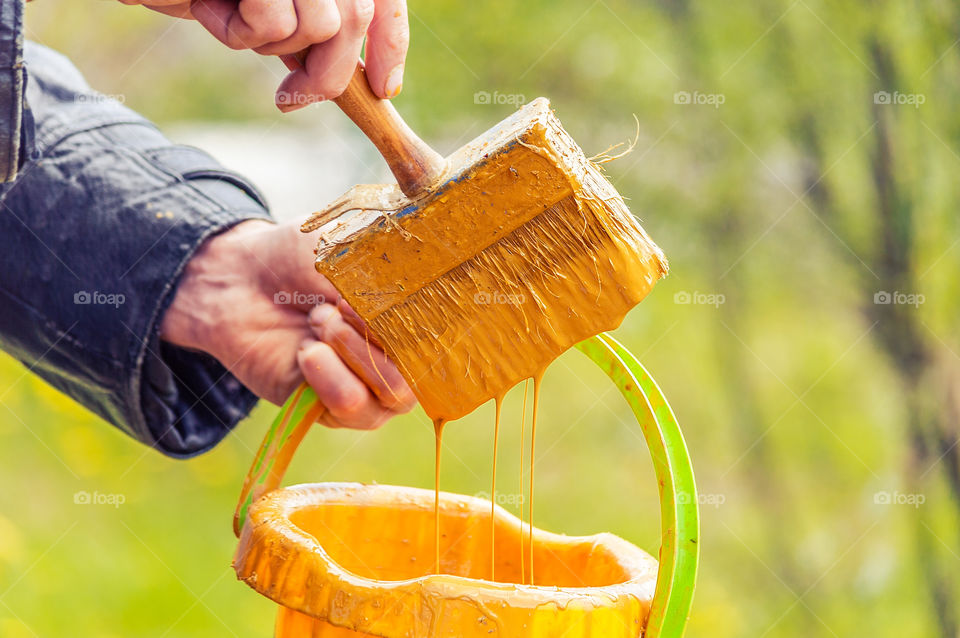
(199, 308)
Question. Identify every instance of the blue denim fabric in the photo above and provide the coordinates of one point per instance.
(15, 120)
(96, 231)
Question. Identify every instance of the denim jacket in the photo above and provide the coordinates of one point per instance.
(95, 231)
(13, 128)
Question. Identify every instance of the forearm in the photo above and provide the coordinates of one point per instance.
(97, 236)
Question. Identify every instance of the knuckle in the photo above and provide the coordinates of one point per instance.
(358, 14)
(396, 40)
(324, 26)
(276, 31)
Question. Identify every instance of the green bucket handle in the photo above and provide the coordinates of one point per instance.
(679, 513)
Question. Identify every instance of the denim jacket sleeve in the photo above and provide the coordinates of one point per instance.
(15, 121)
(96, 231)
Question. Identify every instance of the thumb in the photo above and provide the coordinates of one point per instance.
(304, 85)
(292, 94)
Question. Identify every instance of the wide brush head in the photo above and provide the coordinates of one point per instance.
(522, 251)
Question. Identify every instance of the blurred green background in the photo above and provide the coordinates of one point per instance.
(797, 162)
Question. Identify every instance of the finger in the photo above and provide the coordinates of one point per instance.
(247, 24)
(367, 361)
(331, 421)
(268, 364)
(175, 8)
(346, 397)
(317, 21)
(329, 65)
(387, 40)
(350, 316)
(174, 11)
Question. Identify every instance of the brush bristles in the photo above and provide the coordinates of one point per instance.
(502, 316)
(524, 251)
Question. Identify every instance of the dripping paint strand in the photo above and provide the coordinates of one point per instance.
(523, 418)
(493, 491)
(533, 434)
(438, 435)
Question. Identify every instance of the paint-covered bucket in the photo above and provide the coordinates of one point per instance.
(362, 556)
(348, 560)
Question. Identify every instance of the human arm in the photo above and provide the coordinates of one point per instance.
(100, 234)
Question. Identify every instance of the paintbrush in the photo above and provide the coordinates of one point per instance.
(476, 271)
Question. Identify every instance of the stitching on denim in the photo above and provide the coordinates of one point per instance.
(63, 131)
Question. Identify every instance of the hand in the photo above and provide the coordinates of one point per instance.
(333, 29)
(252, 298)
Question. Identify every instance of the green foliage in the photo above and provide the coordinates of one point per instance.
(796, 409)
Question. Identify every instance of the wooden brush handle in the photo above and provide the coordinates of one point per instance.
(416, 166)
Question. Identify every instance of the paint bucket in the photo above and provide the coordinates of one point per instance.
(345, 560)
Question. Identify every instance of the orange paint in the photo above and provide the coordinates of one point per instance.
(438, 436)
(533, 436)
(493, 493)
(525, 250)
(522, 251)
(352, 560)
(483, 281)
(523, 418)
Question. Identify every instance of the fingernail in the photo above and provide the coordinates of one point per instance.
(394, 83)
(321, 314)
